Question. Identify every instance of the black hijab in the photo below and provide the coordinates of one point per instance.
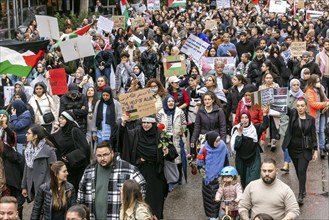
(67, 129)
(211, 137)
(147, 144)
(110, 111)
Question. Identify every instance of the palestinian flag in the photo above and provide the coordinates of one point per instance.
(256, 4)
(176, 3)
(19, 64)
(137, 40)
(124, 10)
(174, 66)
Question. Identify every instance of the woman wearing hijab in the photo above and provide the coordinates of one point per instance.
(245, 138)
(149, 158)
(20, 121)
(173, 118)
(38, 156)
(293, 94)
(212, 158)
(107, 112)
(72, 147)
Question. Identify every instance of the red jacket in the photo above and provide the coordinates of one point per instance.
(256, 115)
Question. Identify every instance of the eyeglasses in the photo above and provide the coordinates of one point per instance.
(100, 156)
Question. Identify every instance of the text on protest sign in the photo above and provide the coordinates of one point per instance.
(77, 48)
(138, 104)
(280, 100)
(223, 3)
(153, 5)
(139, 7)
(118, 21)
(298, 48)
(105, 24)
(47, 26)
(194, 46)
(58, 81)
(262, 97)
(277, 6)
(174, 65)
(138, 22)
(210, 24)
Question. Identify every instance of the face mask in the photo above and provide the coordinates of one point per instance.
(318, 85)
(155, 90)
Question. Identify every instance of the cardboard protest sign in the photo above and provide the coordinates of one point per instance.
(174, 65)
(153, 5)
(194, 46)
(277, 6)
(300, 4)
(176, 3)
(138, 104)
(77, 48)
(223, 3)
(297, 48)
(210, 24)
(137, 22)
(118, 21)
(262, 97)
(280, 100)
(105, 24)
(47, 26)
(9, 92)
(58, 81)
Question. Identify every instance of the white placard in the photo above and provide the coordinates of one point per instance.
(9, 92)
(77, 48)
(153, 5)
(105, 24)
(277, 6)
(223, 3)
(39, 78)
(194, 46)
(139, 7)
(47, 26)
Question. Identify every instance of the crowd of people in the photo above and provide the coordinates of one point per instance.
(79, 156)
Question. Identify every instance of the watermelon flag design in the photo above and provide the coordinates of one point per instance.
(176, 3)
(137, 40)
(124, 10)
(83, 30)
(12, 62)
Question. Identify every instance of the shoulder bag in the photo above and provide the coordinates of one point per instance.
(47, 117)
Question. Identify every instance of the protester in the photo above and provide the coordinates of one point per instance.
(8, 208)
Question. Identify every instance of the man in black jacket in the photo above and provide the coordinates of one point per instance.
(254, 71)
(306, 62)
(244, 46)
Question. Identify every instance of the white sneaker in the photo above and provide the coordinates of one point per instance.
(228, 139)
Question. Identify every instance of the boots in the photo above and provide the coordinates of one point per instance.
(285, 167)
(300, 199)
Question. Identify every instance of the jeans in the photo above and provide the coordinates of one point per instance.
(106, 72)
(322, 126)
(286, 156)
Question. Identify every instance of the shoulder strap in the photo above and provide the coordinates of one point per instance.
(38, 106)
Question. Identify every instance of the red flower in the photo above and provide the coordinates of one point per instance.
(200, 157)
(194, 170)
(161, 126)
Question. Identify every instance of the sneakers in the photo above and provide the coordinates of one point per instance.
(273, 145)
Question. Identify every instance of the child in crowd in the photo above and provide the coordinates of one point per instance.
(229, 189)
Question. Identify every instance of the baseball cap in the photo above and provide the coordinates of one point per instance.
(173, 79)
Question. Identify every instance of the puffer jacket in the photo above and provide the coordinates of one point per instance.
(20, 124)
(44, 201)
(46, 104)
(230, 192)
(213, 121)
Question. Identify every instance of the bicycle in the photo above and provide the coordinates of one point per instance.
(228, 214)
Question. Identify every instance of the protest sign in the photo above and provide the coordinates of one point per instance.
(105, 24)
(297, 48)
(139, 7)
(174, 65)
(262, 97)
(210, 24)
(153, 5)
(118, 21)
(223, 3)
(47, 26)
(229, 64)
(300, 4)
(176, 3)
(277, 6)
(39, 78)
(77, 48)
(9, 92)
(194, 46)
(313, 14)
(280, 100)
(138, 104)
(137, 22)
(58, 81)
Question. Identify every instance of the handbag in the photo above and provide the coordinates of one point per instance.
(171, 172)
(306, 140)
(47, 117)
